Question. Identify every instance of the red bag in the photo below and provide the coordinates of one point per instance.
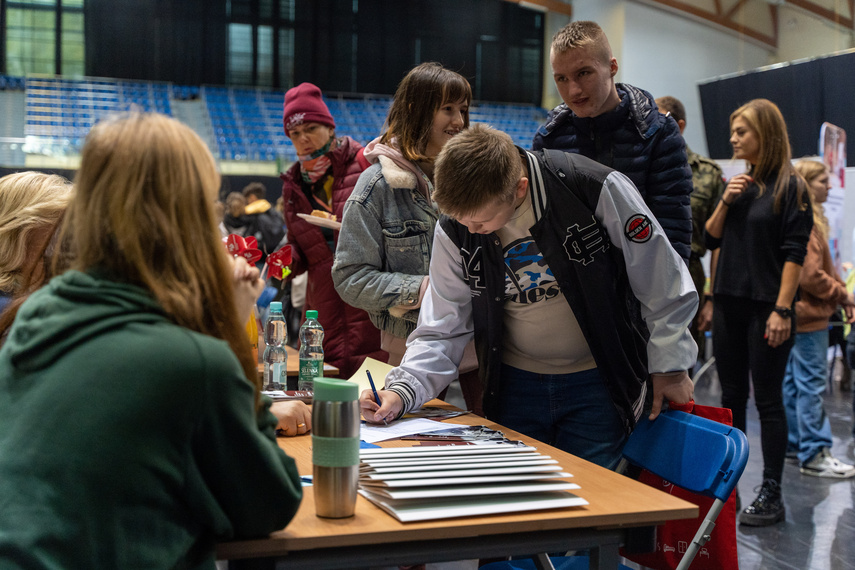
(673, 537)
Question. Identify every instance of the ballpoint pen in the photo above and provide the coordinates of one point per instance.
(373, 389)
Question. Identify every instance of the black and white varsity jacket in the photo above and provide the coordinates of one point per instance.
(629, 290)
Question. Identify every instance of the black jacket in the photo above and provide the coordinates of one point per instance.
(640, 142)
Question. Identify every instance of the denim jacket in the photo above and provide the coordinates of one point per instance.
(384, 246)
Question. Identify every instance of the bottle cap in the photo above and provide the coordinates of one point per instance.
(276, 306)
(311, 315)
(335, 390)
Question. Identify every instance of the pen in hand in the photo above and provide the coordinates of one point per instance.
(373, 389)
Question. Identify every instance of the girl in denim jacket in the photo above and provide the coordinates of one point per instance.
(383, 255)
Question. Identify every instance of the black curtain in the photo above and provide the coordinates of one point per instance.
(808, 94)
(497, 45)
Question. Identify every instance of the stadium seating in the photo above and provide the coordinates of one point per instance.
(246, 123)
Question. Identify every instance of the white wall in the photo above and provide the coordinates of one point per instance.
(801, 35)
(668, 54)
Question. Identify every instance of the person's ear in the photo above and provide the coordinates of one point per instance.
(522, 187)
(682, 124)
(613, 66)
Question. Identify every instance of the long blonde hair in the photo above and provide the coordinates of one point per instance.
(810, 170)
(30, 203)
(144, 212)
(766, 120)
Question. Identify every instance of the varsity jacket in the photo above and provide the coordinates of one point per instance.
(629, 290)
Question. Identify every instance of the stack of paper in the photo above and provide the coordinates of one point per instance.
(424, 483)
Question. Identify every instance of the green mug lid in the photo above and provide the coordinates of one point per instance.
(334, 390)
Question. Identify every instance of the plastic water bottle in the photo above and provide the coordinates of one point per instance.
(275, 357)
(311, 351)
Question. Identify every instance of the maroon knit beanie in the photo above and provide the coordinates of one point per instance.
(303, 104)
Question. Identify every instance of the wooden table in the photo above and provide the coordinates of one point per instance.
(293, 364)
(373, 538)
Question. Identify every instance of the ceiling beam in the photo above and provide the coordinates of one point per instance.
(546, 6)
(725, 20)
(825, 13)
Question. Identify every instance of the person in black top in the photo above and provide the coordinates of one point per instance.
(761, 228)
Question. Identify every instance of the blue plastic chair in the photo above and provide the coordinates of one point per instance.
(697, 454)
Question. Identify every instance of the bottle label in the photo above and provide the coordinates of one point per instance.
(310, 369)
(274, 375)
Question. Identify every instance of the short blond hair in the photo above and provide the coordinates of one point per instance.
(476, 167)
(30, 202)
(582, 34)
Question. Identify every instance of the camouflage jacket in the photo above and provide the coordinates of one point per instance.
(708, 182)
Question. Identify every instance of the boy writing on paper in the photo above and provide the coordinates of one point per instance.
(570, 287)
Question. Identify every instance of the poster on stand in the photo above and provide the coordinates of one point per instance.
(832, 151)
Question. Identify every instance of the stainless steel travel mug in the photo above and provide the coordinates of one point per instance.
(335, 447)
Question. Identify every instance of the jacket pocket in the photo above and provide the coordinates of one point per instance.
(408, 248)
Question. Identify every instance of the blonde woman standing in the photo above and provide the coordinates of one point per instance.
(761, 227)
(821, 292)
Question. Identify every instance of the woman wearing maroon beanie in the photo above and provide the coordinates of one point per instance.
(322, 179)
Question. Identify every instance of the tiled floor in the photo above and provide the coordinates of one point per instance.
(819, 533)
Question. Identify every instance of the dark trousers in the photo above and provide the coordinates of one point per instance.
(739, 326)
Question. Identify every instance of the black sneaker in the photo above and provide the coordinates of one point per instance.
(767, 509)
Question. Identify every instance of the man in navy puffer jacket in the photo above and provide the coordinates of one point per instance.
(618, 125)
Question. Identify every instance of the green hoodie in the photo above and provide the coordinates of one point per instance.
(126, 440)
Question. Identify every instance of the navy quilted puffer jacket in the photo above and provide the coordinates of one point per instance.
(639, 141)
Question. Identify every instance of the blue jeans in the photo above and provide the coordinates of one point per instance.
(808, 428)
(572, 412)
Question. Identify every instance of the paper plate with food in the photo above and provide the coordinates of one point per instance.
(322, 219)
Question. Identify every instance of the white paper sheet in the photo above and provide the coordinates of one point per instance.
(410, 510)
(384, 469)
(372, 433)
(439, 450)
(410, 483)
(465, 472)
(439, 492)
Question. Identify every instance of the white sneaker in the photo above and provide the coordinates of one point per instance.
(823, 464)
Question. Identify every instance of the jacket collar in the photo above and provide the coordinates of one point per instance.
(396, 176)
(635, 102)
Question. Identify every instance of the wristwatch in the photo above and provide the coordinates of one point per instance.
(785, 312)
